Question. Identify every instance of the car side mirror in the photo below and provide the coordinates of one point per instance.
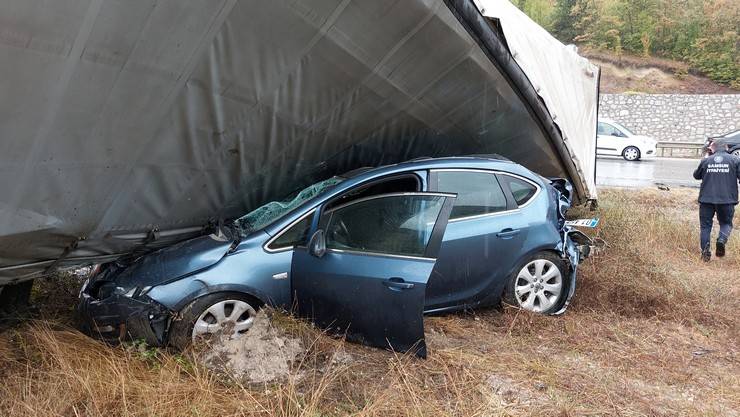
(317, 244)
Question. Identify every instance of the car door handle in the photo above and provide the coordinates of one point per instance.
(398, 284)
(507, 233)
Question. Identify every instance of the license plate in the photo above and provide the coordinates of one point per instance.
(583, 222)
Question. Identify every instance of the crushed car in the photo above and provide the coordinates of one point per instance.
(364, 254)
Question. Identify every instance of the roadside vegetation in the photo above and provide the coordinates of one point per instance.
(705, 34)
(652, 331)
(628, 73)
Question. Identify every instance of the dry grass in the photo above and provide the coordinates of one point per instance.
(653, 332)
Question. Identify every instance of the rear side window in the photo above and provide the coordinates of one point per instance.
(477, 192)
(522, 191)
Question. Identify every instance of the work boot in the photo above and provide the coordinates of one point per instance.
(720, 249)
(706, 254)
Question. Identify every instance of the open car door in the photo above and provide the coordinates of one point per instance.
(365, 270)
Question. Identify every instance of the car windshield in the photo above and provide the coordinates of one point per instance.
(275, 210)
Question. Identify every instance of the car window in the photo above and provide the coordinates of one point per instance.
(396, 184)
(600, 129)
(623, 130)
(609, 130)
(296, 235)
(477, 192)
(522, 190)
(400, 224)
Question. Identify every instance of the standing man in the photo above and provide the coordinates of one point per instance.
(719, 174)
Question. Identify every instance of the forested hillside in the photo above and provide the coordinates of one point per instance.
(702, 33)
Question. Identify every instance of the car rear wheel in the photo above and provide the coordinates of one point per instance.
(229, 314)
(539, 285)
(631, 153)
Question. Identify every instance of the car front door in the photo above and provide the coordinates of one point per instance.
(609, 140)
(365, 270)
(483, 241)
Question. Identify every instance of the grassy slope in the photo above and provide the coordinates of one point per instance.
(653, 331)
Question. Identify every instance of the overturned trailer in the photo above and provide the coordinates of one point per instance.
(127, 126)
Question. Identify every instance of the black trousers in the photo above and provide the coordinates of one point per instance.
(724, 212)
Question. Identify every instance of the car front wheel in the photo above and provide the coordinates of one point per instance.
(539, 285)
(229, 314)
(631, 153)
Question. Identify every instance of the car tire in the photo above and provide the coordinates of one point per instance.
(631, 153)
(204, 311)
(542, 281)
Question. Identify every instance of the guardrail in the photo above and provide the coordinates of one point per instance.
(667, 148)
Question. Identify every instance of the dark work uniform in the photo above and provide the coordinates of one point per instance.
(719, 174)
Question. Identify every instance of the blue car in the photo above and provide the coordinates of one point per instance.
(365, 254)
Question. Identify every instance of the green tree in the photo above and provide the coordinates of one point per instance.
(563, 23)
(538, 10)
(704, 33)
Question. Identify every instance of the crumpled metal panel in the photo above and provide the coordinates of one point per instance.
(120, 117)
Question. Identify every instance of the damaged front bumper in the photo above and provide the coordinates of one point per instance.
(120, 317)
(574, 248)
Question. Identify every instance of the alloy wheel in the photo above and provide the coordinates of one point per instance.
(631, 153)
(233, 317)
(538, 285)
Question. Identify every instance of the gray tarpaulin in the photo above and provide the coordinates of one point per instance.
(119, 117)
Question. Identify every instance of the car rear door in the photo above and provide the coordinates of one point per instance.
(482, 243)
(370, 282)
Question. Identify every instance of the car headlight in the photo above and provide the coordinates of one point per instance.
(104, 290)
(126, 292)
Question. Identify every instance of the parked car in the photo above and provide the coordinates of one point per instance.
(732, 139)
(366, 253)
(614, 139)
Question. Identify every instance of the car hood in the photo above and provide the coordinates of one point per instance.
(175, 261)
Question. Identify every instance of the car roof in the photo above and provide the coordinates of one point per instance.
(428, 162)
(735, 134)
(354, 177)
(490, 161)
(731, 135)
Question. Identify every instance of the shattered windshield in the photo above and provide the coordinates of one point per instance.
(274, 210)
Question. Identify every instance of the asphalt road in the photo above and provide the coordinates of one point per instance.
(673, 172)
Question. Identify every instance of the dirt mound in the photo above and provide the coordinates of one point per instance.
(625, 73)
